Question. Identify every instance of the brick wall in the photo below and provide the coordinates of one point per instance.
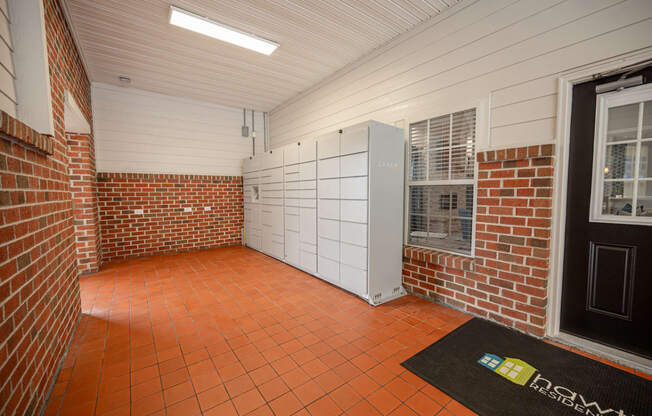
(506, 281)
(81, 168)
(39, 290)
(164, 227)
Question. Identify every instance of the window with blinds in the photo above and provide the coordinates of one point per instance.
(441, 182)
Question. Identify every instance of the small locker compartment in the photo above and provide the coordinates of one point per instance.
(353, 188)
(308, 225)
(308, 171)
(328, 269)
(308, 261)
(353, 211)
(292, 247)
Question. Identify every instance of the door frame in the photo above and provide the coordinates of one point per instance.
(565, 83)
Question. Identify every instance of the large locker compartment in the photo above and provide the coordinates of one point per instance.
(342, 208)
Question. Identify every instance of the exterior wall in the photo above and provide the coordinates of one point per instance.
(81, 167)
(164, 227)
(504, 53)
(507, 279)
(39, 289)
(142, 132)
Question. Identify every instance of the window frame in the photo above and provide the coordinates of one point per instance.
(478, 146)
(603, 103)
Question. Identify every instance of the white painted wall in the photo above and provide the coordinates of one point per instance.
(140, 131)
(504, 53)
(7, 72)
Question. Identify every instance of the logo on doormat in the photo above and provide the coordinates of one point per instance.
(514, 370)
(520, 372)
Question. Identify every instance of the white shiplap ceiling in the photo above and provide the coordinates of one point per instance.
(317, 37)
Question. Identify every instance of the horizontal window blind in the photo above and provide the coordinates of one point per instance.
(441, 182)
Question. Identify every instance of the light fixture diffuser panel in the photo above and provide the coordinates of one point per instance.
(199, 24)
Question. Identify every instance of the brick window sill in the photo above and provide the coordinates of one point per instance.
(456, 261)
(14, 129)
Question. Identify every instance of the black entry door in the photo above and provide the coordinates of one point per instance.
(607, 282)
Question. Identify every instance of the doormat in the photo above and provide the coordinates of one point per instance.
(494, 370)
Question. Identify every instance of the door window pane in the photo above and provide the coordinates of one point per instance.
(619, 161)
(644, 200)
(622, 123)
(645, 168)
(617, 198)
(647, 120)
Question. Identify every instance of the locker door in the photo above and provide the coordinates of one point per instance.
(353, 188)
(292, 247)
(328, 146)
(308, 238)
(353, 279)
(308, 261)
(355, 140)
(328, 269)
(275, 159)
(307, 150)
(308, 225)
(329, 168)
(308, 171)
(291, 154)
(353, 165)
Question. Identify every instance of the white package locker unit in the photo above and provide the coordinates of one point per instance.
(342, 208)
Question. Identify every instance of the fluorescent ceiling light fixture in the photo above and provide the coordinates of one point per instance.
(199, 24)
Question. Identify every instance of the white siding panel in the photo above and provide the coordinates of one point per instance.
(524, 91)
(534, 109)
(139, 131)
(7, 82)
(5, 32)
(537, 131)
(6, 58)
(509, 51)
(7, 105)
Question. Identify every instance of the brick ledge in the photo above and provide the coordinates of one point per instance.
(517, 153)
(439, 257)
(15, 129)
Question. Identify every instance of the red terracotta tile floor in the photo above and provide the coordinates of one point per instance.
(233, 332)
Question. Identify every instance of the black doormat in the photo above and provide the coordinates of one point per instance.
(494, 370)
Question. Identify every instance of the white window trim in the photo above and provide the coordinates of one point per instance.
(603, 103)
(480, 143)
